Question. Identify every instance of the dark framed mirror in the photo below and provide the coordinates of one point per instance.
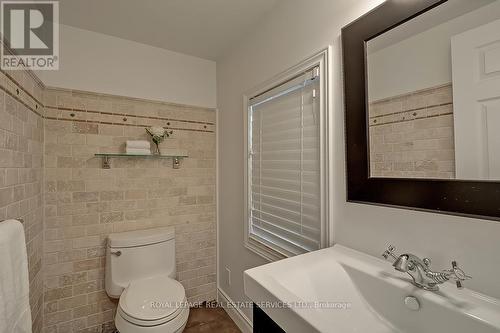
(422, 106)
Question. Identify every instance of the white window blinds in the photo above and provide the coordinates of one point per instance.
(284, 166)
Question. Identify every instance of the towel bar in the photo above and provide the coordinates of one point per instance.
(20, 220)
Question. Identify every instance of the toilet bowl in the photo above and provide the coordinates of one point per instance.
(140, 271)
(152, 305)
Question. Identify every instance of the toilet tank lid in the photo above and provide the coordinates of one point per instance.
(140, 237)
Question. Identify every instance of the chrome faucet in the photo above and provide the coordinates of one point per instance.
(421, 273)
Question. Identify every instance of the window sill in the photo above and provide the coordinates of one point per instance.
(264, 251)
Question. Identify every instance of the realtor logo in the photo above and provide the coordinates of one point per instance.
(30, 35)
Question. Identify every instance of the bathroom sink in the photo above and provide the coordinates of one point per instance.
(342, 290)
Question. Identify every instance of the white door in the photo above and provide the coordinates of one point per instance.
(476, 102)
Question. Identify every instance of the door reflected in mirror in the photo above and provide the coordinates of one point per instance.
(434, 94)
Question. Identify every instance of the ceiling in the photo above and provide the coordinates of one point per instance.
(202, 28)
(436, 16)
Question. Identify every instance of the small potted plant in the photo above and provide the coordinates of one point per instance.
(158, 134)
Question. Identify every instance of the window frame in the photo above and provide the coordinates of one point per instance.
(272, 252)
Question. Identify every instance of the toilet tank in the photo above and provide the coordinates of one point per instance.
(136, 255)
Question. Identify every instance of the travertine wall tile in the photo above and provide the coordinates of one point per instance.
(50, 177)
(21, 171)
(412, 135)
(84, 203)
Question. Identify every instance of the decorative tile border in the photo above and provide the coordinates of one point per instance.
(128, 115)
(426, 103)
(11, 87)
(39, 83)
(132, 125)
(125, 119)
(421, 113)
(16, 91)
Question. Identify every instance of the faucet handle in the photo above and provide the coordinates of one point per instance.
(458, 274)
(427, 262)
(389, 252)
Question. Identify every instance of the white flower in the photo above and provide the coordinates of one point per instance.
(157, 131)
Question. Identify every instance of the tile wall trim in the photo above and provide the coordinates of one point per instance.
(130, 125)
(20, 100)
(18, 92)
(404, 115)
(373, 123)
(26, 70)
(21, 87)
(412, 110)
(129, 115)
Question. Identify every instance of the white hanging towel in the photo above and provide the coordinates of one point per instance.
(15, 313)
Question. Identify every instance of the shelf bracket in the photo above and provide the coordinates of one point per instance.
(176, 163)
(106, 162)
(106, 159)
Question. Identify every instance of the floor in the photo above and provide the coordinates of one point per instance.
(210, 319)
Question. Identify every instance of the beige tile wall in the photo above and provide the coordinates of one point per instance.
(50, 178)
(84, 203)
(21, 170)
(412, 135)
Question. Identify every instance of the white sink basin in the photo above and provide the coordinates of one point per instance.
(361, 293)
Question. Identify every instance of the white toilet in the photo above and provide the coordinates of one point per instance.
(140, 270)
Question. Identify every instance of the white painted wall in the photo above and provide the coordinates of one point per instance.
(421, 61)
(281, 42)
(100, 63)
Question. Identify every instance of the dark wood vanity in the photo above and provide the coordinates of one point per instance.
(262, 323)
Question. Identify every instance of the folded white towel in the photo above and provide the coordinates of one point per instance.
(15, 313)
(138, 151)
(138, 144)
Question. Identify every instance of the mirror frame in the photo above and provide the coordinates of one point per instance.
(479, 199)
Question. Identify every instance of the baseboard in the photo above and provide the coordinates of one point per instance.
(239, 318)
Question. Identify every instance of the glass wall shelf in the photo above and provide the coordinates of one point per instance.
(106, 158)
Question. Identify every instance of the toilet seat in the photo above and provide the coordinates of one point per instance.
(152, 301)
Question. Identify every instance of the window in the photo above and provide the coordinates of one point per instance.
(285, 169)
